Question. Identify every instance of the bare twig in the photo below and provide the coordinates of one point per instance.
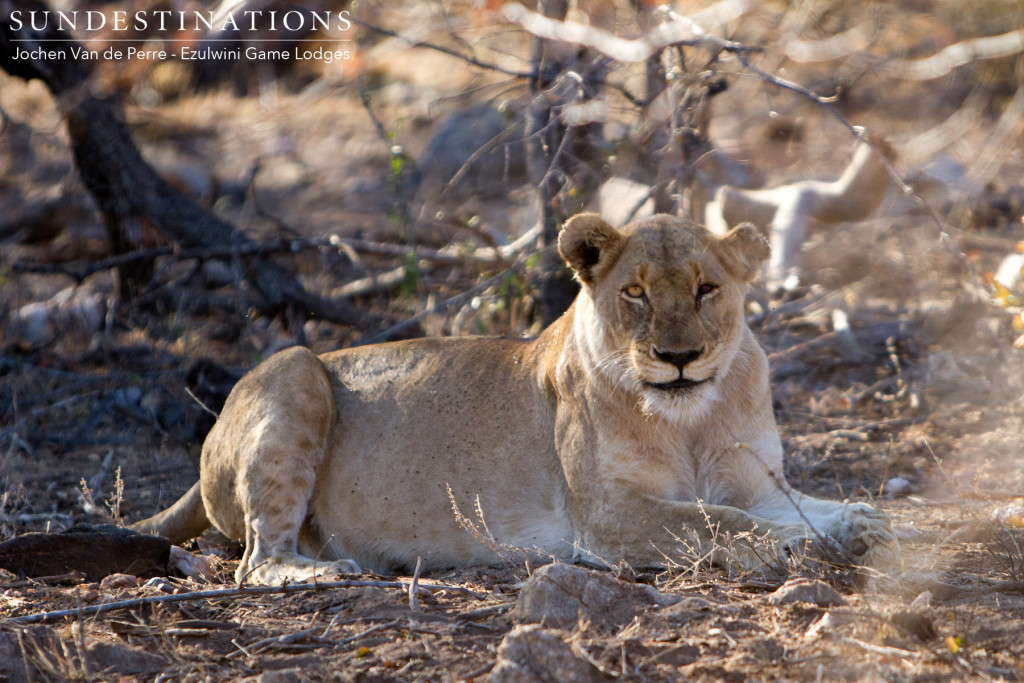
(412, 42)
(226, 594)
(414, 598)
(444, 306)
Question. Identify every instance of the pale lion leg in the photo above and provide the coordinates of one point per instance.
(285, 440)
(276, 504)
(855, 532)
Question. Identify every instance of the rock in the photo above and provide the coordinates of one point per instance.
(915, 622)
(38, 653)
(72, 309)
(532, 654)
(809, 591)
(829, 622)
(120, 581)
(558, 594)
(896, 485)
(217, 274)
(291, 675)
(12, 668)
(124, 660)
(460, 136)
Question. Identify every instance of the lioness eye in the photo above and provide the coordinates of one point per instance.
(634, 291)
(704, 289)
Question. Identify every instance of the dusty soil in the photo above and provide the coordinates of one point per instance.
(919, 409)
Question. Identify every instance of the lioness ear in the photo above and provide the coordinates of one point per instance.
(745, 251)
(586, 240)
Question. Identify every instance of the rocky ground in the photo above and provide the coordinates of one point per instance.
(894, 373)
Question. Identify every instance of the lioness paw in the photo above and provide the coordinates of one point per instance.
(865, 537)
(295, 569)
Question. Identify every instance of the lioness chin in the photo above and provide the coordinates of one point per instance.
(638, 423)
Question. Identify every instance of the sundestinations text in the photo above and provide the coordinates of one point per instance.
(180, 20)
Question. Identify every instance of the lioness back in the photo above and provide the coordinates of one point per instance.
(414, 418)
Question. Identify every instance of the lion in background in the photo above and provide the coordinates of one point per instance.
(640, 418)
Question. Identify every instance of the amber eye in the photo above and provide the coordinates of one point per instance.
(634, 291)
(705, 289)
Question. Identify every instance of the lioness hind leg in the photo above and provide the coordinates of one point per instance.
(269, 442)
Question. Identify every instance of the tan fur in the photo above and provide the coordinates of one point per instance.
(325, 463)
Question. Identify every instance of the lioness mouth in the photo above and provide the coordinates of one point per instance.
(681, 383)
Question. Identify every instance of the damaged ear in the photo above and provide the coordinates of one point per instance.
(587, 240)
(745, 251)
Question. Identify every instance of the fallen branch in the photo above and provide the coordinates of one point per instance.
(443, 306)
(786, 212)
(227, 594)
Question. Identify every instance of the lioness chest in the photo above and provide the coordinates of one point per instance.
(430, 434)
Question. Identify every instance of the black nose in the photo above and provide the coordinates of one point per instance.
(678, 358)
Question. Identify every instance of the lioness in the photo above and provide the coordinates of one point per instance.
(639, 418)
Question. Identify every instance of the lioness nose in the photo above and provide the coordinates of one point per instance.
(678, 358)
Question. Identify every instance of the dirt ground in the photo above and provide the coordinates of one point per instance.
(918, 408)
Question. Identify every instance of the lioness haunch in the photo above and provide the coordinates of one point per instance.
(637, 427)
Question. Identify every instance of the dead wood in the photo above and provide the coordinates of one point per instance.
(129, 193)
(227, 594)
(786, 212)
(95, 551)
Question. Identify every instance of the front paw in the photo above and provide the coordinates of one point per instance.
(865, 538)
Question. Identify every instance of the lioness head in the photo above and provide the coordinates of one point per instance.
(663, 309)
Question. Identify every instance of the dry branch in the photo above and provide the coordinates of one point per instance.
(829, 49)
(959, 54)
(227, 594)
(786, 212)
(680, 31)
(395, 277)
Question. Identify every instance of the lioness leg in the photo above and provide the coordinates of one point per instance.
(648, 531)
(853, 533)
(267, 446)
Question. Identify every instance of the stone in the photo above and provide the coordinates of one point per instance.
(533, 654)
(460, 136)
(72, 310)
(810, 591)
(559, 594)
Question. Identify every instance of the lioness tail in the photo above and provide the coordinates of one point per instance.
(185, 519)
